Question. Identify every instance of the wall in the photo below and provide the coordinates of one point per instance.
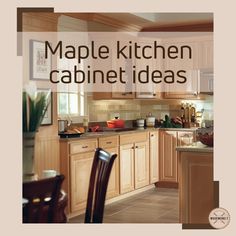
(102, 110)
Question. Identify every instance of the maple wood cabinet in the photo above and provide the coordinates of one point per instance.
(168, 154)
(154, 156)
(196, 186)
(110, 144)
(134, 161)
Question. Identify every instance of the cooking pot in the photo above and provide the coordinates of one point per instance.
(116, 123)
(140, 122)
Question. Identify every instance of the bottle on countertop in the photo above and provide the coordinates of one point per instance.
(182, 115)
(186, 113)
(193, 114)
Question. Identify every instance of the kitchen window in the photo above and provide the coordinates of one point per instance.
(72, 101)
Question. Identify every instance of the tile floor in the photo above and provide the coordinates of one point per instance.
(153, 206)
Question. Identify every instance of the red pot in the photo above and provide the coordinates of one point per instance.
(116, 123)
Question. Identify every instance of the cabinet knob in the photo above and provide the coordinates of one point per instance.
(136, 147)
(108, 142)
(85, 146)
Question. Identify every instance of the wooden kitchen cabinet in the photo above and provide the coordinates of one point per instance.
(126, 168)
(134, 161)
(141, 161)
(110, 144)
(196, 187)
(168, 156)
(168, 141)
(154, 156)
(76, 157)
(80, 169)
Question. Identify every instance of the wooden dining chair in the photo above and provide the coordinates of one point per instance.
(41, 199)
(99, 177)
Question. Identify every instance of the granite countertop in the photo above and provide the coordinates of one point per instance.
(90, 135)
(195, 147)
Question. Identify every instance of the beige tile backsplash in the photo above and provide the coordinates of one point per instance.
(102, 110)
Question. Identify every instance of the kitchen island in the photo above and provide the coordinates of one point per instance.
(197, 195)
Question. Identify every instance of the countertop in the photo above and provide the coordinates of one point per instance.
(89, 135)
(195, 147)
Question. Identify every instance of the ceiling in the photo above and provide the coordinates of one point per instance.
(161, 19)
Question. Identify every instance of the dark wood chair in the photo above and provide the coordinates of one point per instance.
(100, 173)
(42, 198)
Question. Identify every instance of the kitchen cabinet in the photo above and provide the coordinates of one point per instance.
(110, 144)
(80, 169)
(154, 156)
(205, 59)
(141, 162)
(196, 187)
(76, 159)
(134, 161)
(168, 156)
(150, 89)
(126, 168)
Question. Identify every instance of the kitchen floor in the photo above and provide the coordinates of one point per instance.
(153, 206)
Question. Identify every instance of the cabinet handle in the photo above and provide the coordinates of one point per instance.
(85, 146)
(154, 94)
(136, 147)
(152, 135)
(108, 142)
(132, 147)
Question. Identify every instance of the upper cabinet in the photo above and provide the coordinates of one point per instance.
(194, 55)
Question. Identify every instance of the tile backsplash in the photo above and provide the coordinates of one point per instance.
(102, 110)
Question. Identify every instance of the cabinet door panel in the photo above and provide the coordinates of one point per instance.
(114, 180)
(141, 164)
(154, 157)
(126, 168)
(168, 156)
(81, 165)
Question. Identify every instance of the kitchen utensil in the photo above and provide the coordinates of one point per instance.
(62, 125)
(116, 123)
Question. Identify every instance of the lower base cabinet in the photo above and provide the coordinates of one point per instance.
(196, 187)
(141, 164)
(80, 169)
(126, 168)
(113, 188)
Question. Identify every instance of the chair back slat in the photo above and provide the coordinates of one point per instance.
(100, 174)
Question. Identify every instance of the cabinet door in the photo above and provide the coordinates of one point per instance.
(168, 156)
(154, 157)
(126, 168)
(205, 54)
(148, 89)
(196, 194)
(80, 168)
(141, 160)
(113, 188)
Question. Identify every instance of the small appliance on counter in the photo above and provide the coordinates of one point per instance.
(140, 123)
(62, 126)
(150, 120)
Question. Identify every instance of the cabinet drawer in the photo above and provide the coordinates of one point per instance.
(83, 146)
(108, 142)
(133, 138)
